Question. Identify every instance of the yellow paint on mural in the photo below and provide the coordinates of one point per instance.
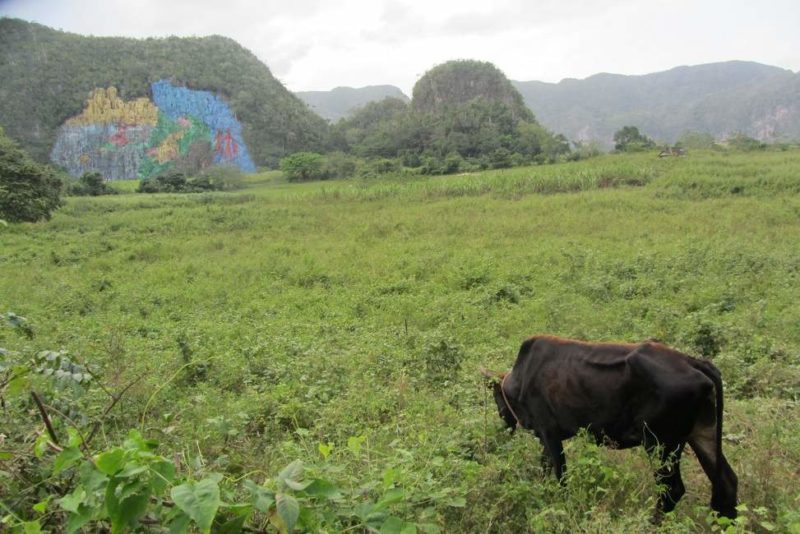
(168, 149)
(105, 107)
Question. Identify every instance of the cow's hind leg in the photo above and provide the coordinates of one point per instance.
(723, 480)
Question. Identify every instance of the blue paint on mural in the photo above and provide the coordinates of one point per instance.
(226, 132)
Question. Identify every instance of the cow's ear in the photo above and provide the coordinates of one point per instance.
(491, 377)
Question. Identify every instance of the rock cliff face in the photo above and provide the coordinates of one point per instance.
(181, 129)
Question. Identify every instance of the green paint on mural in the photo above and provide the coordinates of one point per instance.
(176, 145)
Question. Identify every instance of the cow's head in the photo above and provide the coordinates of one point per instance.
(494, 380)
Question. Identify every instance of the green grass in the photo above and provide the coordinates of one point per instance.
(319, 312)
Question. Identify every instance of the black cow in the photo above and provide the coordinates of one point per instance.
(624, 395)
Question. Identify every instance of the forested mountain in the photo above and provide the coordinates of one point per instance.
(48, 77)
(342, 102)
(464, 114)
(718, 98)
(459, 82)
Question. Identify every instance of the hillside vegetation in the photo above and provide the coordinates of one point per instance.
(323, 340)
(46, 77)
(720, 99)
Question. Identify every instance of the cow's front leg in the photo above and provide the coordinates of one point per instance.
(555, 450)
(546, 462)
(669, 475)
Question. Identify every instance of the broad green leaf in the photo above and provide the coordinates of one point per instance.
(128, 487)
(354, 443)
(40, 446)
(129, 511)
(92, 479)
(324, 489)
(199, 501)
(41, 506)
(394, 525)
(32, 527)
(6, 455)
(428, 528)
(111, 461)
(293, 471)
(456, 502)
(163, 475)
(298, 486)
(136, 441)
(234, 526)
(132, 469)
(78, 519)
(389, 478)
(180, 525)
(325, 449)
(72, 501)
(288, 510)
(392, 496)
(262, 498)
(65, 459)
(75, 438)
(19, 383)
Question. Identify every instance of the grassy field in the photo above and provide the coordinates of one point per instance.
(343, 324)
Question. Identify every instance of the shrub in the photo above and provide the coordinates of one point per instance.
(28, 191)
(220, 178)
(91, 184)
(339, 165)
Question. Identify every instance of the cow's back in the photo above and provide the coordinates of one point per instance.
(613, 389)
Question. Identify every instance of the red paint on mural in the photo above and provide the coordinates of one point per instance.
(120, 138)
(225, 146)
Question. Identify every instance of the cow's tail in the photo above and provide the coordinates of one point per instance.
(711, 371)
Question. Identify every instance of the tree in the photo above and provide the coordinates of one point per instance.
(303, 166)
(629, 139)
(28, 191)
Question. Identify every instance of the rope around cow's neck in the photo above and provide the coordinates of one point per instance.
(505, 399)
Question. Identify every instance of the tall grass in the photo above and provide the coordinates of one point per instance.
(317, 313)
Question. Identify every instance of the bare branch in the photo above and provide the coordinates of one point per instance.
(45, 417)
(110, 407)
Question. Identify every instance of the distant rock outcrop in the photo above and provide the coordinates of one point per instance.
(342, 102)
(721, 99)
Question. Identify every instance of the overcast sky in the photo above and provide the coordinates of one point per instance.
(319, 45)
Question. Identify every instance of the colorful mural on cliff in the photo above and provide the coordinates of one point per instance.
(180, 130)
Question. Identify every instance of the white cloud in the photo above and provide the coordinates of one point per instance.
(312, 44)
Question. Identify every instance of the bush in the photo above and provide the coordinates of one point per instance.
(744, 143)
(216, 178)
(219, 178)
(339, 165)
(174, 182)
(28, 191)
(302, 166)
(91, 184)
